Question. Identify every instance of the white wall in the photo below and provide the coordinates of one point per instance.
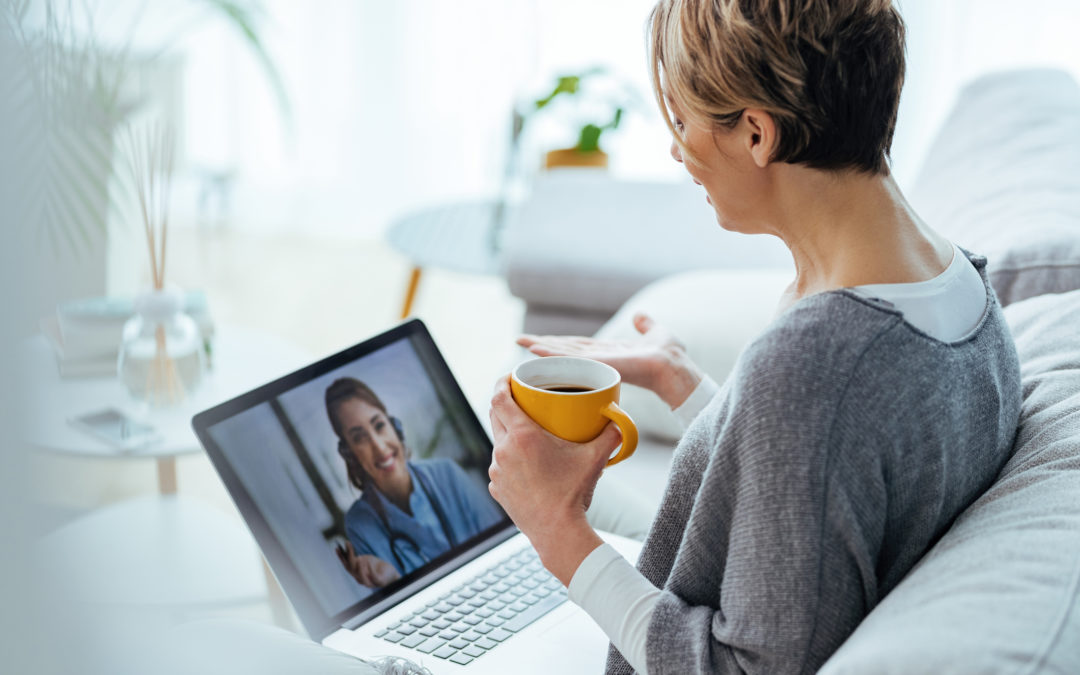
(951, 42)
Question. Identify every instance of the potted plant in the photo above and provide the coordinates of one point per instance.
(599, 103)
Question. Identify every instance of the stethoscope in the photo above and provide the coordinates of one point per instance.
(397, 537)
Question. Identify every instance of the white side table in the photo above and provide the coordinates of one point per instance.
(166, 549)
(243, 359)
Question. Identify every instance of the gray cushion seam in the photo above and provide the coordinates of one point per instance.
(1059, 629)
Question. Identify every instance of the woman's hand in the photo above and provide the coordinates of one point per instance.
(545, 484)
(656, 361)
(368, 570)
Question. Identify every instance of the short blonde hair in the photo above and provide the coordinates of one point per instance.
(828, 71)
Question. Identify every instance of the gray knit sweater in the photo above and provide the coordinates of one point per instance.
(840, 448)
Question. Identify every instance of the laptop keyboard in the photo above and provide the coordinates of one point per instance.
(481, 613)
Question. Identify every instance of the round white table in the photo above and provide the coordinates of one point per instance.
(242, 359)
(164, 549)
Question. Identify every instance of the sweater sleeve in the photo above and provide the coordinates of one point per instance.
(775, 520)
(696, 401)
(618, 598)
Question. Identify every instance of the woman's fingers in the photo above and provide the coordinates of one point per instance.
(497, 427)
(643, 322)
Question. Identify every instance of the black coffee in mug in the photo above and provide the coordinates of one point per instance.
(566, 388)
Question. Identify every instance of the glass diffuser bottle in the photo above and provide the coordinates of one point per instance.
(161, 355)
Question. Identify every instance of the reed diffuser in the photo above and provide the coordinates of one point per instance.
(161, 357)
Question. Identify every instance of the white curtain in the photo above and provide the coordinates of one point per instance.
(406, 103)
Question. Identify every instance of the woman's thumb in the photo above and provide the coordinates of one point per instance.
(609, 439)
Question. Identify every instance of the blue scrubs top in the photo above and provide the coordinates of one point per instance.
(419, 538)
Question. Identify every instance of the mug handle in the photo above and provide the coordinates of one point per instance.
(626, 427)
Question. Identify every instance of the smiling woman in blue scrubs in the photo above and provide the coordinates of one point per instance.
(409, 512)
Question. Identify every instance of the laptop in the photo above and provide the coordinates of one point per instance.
(363, 478)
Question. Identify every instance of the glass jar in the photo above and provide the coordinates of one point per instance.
(161, 356)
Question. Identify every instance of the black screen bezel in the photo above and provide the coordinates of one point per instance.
(316, 621)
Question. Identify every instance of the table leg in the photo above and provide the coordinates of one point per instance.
(166, 475)
(410, 293)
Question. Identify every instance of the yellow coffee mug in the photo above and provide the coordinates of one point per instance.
(573, 398)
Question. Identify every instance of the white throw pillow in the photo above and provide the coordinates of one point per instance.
(714, 312)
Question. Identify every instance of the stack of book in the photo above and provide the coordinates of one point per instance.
(86, 334)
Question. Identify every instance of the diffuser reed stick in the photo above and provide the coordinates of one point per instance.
(151, 153)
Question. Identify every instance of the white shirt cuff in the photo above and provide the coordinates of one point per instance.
(619, 599)
(696, 401)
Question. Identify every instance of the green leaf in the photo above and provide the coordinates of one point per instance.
(614, 124)
(590, 138)
(568, 84)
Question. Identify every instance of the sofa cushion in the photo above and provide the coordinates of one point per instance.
(999, 592)
(714, 312)
(1002, 178)
(585, 241)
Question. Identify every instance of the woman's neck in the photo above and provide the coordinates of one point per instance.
(398, 492)
(850, 229)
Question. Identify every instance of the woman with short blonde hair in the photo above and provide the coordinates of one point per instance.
(881, 400)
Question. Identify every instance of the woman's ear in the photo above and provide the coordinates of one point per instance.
(761, 138)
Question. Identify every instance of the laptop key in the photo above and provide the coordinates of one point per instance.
(406, 630)
(473, 651)
(385, 631)
(445, 652)
(394, 637)
(499, 634)
(429, 645)
(459, 643)
(441, 624)
(449, 634)
(535, 612)
(471, 636)
(461, 659)
(428, 631)
(414, 640)
(485, 643)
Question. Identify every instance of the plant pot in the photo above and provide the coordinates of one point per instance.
(572, 157)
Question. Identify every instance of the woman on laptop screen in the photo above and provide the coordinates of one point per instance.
(409, 511)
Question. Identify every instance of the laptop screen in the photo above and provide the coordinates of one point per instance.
(358, 475)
